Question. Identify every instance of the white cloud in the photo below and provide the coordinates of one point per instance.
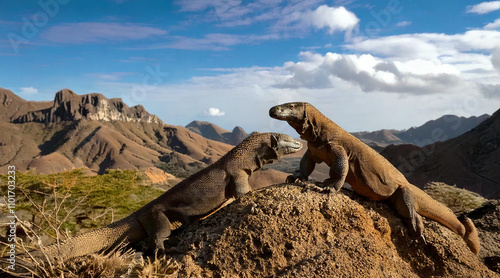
(495, 59)
(214, 112)
(28, 91)
(429, 46)
(371, 74)
(403, 23)
(92, 32)
(484, 7)
(334, 19)
(493, 25)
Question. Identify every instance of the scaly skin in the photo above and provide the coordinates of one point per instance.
(196, 197)
(368, 173)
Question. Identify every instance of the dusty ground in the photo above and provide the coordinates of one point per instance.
(283, 232)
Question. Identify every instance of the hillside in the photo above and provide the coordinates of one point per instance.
(92, 131)
(441, 129)
(217, 133)
(470, 161)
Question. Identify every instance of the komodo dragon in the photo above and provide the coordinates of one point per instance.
(368, 173)
(196, 197)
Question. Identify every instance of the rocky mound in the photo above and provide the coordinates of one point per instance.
(283, 232)
(487, 221)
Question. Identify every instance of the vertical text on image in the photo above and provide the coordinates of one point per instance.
(11, 216)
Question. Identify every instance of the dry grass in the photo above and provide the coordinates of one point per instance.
(54, 211)
(457, 199)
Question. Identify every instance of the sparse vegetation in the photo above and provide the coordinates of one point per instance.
(457, 199)
(53, 199)
(108, 197)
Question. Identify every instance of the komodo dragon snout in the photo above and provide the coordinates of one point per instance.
(293, 111)
(284, 144)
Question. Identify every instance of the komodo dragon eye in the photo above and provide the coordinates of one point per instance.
(292, 106)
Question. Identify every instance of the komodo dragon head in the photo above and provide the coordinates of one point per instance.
(297, 114)
(291, 112)
(272, 146)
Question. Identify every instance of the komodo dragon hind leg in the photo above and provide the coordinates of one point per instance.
(404, 203)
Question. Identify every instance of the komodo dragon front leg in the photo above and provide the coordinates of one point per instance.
(239, 183)
(158, 228)
(338, 161)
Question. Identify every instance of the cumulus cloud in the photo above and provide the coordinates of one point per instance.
(495, 59)
(214, 112)
(371, 74)
(28, 91)
(92, 32)
(332, 18)
(484, 7)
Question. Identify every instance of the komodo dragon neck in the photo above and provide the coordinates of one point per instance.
(316, 128)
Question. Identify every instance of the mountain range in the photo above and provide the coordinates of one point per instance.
(441, 129)
(470, 161)
(96, 133)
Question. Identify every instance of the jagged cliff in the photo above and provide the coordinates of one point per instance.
(68, 106)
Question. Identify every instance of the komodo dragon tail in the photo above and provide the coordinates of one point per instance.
(428, 207)
(94, 241)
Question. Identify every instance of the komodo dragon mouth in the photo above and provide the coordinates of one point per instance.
(292, 147)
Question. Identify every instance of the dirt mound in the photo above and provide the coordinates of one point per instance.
(487, 220)
(283, 232)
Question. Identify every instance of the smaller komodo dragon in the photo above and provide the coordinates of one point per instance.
(368, 172)
(194, 198)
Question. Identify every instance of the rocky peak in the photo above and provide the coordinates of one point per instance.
(69, 106)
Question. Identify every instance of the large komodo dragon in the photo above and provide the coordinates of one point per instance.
(368, 173)
(197, 196)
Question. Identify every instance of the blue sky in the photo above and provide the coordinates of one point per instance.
(366, 64)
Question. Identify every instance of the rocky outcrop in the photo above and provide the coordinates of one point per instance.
(217, 133)
(68, 106)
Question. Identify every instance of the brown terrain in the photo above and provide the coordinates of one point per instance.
(94, 132)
